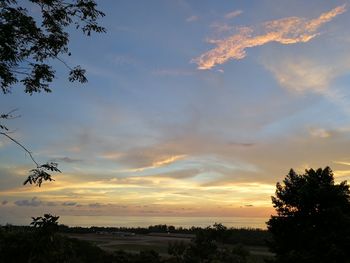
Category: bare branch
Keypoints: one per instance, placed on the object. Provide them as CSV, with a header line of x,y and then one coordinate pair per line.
x,y
9,116
20,145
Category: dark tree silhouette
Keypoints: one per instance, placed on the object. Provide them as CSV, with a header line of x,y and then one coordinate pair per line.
x,y
313,218
27,49
30,43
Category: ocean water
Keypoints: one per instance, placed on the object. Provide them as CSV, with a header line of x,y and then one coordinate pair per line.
x,y
138,221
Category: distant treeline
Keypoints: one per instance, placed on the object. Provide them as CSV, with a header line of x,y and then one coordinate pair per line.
x,y
246,236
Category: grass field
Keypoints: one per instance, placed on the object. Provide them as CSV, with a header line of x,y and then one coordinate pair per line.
x,y
157,242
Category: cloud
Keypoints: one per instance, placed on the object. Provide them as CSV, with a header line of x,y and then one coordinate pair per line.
x,y
168,160
192,18
286,31
32,202
96,205
319,132
221,27
342,163
51,203
163,161
233,14
69,203
341,173
179,174
300,74
111,155
67,160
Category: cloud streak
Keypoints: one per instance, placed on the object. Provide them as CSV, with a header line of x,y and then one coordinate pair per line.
x,y
192,18
233,14
159,163
33,202
290,30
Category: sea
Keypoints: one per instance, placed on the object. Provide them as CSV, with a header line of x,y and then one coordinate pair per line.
x,y
185,222
139,221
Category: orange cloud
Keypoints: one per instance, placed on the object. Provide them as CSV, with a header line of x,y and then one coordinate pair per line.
x,y
160,163
343,163
286,31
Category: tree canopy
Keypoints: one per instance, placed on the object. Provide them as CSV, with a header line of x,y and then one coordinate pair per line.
x,y
30,43
313,218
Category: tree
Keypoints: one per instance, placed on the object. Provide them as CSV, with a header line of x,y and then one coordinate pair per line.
x,y
207,247
27,49
28,46
313,218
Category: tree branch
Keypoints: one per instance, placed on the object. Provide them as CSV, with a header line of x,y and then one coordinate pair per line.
x,y
20,145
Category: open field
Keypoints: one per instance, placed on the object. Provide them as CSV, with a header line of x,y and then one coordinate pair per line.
x,y
157,242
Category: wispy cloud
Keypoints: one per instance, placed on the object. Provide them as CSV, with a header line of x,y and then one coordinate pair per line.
x,y
32,202
192,18
67,160
69,203
319,133
341,173
341,162
300,74
159,163
233,14
286,31
222,28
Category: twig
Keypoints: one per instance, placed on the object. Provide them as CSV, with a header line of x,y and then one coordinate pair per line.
x,y
8,115
20,145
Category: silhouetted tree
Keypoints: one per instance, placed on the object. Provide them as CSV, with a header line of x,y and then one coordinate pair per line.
x,y
41,243
29,43
313,218
205,248
177,250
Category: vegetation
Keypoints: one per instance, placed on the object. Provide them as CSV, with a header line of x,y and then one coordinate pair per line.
x,y
29,44
42,244
46,239
247,236
205,248
313,218
313,212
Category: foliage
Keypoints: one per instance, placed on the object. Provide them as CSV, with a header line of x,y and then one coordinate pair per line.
x,y
177,250
47,224
42,171
246,236
29,44
42,244
313,218
40,174
205,248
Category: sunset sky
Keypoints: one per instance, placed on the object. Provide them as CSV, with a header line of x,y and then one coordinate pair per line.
x,y
193,108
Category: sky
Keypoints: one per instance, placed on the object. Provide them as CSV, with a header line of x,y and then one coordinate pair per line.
x,y
192,108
